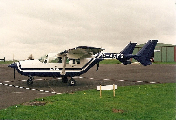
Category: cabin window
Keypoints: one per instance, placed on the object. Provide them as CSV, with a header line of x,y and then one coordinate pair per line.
x,y
67,61
73,61
78,61
55,60
59,59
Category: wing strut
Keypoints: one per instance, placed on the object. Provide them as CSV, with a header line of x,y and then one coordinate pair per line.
x,y
64,64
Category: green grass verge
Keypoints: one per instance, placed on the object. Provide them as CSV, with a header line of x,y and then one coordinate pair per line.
x,y
164,62
114,61
110,61
154,101
6,62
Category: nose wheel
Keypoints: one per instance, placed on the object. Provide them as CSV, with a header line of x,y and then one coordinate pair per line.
x,y
30,80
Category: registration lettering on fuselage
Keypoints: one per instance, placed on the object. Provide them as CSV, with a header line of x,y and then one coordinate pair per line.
x,y
54,68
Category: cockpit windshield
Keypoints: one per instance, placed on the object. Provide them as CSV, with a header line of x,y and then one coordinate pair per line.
x,y
43,59
51,58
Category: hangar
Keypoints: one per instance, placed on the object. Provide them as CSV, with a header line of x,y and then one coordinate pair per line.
x,y
164,53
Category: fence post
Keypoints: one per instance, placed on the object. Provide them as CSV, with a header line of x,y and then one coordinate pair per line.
x,y
100,90
114,90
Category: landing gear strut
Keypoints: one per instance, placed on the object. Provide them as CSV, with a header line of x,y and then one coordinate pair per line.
x,y
64,79
30,80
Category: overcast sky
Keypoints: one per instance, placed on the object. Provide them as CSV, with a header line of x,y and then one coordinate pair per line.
x,y
39,27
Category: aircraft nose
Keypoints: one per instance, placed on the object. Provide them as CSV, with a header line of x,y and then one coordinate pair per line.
x,y
13,65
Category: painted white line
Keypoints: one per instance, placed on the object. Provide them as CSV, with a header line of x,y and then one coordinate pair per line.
x,y
6,84
105,79
91,78
27,88
152,82
59,93
10,85
6,81
38,79
21,87
0,83
33,89
16,86
46,91
59,78
80,77
41,90
53,92
121,80
18,92
42,93
139,81
24,80
75,77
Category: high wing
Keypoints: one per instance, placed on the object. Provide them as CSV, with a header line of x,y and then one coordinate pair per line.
x,y
81,52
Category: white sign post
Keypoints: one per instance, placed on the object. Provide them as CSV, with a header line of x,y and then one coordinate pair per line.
x,y
107,87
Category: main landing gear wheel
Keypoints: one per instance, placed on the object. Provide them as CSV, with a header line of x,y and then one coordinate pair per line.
x,y
64,79
30,81
71,82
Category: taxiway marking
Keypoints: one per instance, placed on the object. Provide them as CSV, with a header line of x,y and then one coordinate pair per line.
x,y
46,91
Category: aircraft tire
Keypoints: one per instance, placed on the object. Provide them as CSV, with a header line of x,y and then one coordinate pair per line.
x,y
29,82
71,82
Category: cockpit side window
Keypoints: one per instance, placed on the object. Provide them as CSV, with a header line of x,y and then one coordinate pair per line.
x,y
74,61
67,61
43,59
59,59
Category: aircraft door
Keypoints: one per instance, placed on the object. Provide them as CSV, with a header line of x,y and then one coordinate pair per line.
x,y
72,62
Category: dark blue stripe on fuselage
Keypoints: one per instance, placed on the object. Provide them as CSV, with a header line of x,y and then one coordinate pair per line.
x,y
50,68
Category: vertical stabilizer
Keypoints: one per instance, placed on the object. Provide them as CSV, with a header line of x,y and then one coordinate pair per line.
x,y
145,53
129,48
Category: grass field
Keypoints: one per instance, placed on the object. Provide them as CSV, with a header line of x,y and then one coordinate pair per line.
x,y
164,63
141,102
6,62
110,61
114,61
